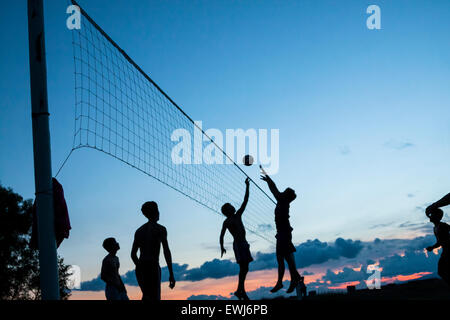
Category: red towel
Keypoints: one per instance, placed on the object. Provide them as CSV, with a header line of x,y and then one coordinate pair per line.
x,y
62,221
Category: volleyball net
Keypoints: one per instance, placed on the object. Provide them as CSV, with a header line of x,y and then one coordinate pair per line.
x,y
122,112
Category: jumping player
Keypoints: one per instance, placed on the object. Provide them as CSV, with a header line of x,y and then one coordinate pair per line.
x,y
241,248
284,246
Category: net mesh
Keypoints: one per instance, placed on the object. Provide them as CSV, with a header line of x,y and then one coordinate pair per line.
x,y
120,111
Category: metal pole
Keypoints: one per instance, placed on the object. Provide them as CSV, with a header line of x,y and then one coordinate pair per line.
x,y
48,265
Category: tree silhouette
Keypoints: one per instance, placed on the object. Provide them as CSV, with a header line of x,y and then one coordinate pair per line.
x,y
19,263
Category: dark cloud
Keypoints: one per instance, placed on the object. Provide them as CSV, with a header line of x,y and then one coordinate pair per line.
x,y
380,225
215,269
346,275
416,226
411,262
419,243
353,254
344,150
408,224
311,252
308,253
129,278
398,145
95,284
317,252
388,247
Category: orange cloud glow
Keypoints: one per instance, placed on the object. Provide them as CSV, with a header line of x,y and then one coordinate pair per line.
x,y
344,285
409,277
226,286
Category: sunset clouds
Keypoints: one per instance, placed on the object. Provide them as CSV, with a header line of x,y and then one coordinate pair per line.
x,y
326,266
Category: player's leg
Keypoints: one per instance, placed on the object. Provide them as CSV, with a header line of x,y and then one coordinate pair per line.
x,y
150,280
242,275
140,277
111,292
295,276
240,292
279,284
154,284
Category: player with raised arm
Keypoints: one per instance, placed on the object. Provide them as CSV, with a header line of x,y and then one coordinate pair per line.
x,y
241,248
284,247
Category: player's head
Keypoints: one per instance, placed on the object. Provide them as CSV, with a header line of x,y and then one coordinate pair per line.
x,y
228,210
111,245
150,211
289,194
436,215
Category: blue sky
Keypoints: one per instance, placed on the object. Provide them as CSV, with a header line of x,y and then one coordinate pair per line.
x,y
363,115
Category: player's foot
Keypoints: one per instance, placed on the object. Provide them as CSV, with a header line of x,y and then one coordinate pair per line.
x,y
277,287
241,295
294,283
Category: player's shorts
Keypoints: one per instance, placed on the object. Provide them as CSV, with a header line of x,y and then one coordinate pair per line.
x,y
284,246
242,252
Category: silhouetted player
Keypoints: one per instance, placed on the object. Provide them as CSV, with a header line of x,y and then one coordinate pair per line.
x,y
115,289
241,248
284,247
441,231
148,239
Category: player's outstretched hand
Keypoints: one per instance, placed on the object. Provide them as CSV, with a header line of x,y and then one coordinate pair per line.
x,y
223,252
264,178
247,181
263,171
